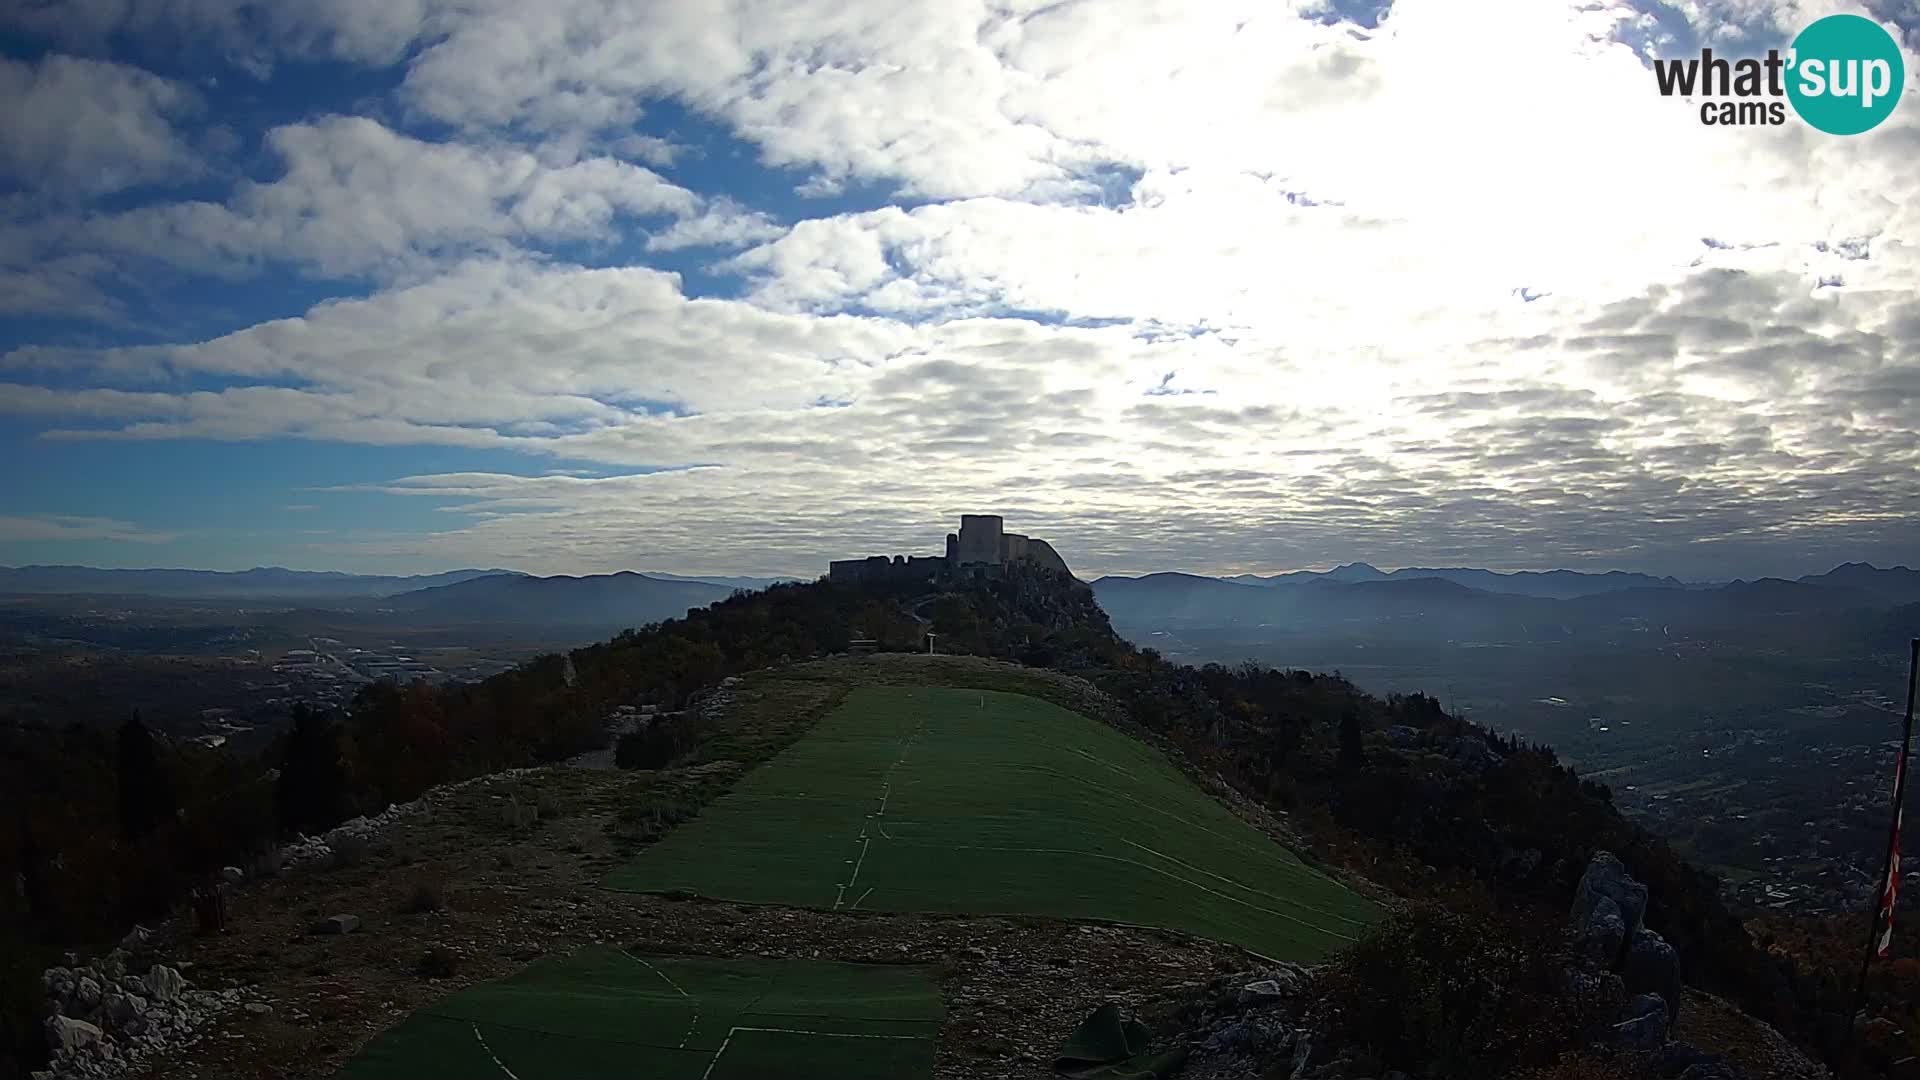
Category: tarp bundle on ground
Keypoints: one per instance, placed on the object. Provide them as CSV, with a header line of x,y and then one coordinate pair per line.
x,y
1110,1046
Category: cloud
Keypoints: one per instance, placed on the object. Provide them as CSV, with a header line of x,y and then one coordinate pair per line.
x,y
723,224
249,32
61,527
358,199
1221,286
86,127
862,433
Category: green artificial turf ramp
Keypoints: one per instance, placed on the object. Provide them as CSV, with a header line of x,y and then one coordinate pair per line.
x,y
977,802
601,1012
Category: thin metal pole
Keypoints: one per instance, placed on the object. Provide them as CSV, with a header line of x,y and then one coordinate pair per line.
x,y
1893,839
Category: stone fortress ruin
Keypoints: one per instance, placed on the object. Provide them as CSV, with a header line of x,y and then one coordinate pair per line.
x,y
983,548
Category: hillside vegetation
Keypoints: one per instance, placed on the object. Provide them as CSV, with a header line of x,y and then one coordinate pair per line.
x,y
1447,813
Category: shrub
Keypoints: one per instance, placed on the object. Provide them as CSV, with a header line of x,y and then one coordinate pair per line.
x,y
658,744
652,813
1463,995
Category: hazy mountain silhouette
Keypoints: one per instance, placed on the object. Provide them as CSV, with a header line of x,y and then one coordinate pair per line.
x,y
259,582
1897,584
621,600
1446,606
721,579
1555,584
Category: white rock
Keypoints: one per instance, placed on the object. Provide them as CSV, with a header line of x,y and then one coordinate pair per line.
x,y
66,1033
165,983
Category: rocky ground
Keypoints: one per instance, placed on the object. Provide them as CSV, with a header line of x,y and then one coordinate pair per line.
x,y
449,895
478,879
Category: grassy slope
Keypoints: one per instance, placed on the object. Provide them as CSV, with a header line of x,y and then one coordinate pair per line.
x,y
603,1012
972,801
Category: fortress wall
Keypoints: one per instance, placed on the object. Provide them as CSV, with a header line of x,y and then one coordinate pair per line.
x,y
980,538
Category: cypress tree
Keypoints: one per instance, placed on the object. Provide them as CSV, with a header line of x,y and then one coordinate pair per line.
x,y
145,794
311,794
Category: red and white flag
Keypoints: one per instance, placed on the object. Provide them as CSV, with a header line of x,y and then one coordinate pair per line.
x,y
1891,892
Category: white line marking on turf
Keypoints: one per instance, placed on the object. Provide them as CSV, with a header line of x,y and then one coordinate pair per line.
x,y
1240,884
718,1053
496,1060
829,1034
663,975
1153,869
863,897
865,842
731,1032
684,1039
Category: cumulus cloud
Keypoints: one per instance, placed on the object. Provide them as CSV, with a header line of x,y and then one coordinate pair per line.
x,y
87,127
358,199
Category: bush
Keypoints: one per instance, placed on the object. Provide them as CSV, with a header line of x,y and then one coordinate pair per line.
x,y
1461,996
438,962
516,815
652,813
658,744
426,896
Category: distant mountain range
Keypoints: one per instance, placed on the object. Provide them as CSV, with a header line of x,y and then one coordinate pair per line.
x,y
602,601
261,582
1554,584
730,582
274,582
1480,602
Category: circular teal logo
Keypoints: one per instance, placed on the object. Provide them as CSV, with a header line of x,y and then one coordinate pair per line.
x,y
1846,74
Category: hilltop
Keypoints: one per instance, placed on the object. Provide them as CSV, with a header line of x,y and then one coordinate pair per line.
x,y
1393,796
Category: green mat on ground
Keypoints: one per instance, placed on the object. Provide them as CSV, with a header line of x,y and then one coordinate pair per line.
x,y
983,803
602,1012
1111,1046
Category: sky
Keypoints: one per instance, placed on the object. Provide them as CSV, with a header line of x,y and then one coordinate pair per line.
x,y
582,285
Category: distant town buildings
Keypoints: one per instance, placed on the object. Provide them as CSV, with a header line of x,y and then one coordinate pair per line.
x,y
981,549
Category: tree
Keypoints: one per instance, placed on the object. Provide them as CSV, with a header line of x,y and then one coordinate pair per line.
x,y
1352,754
311,794
145,794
